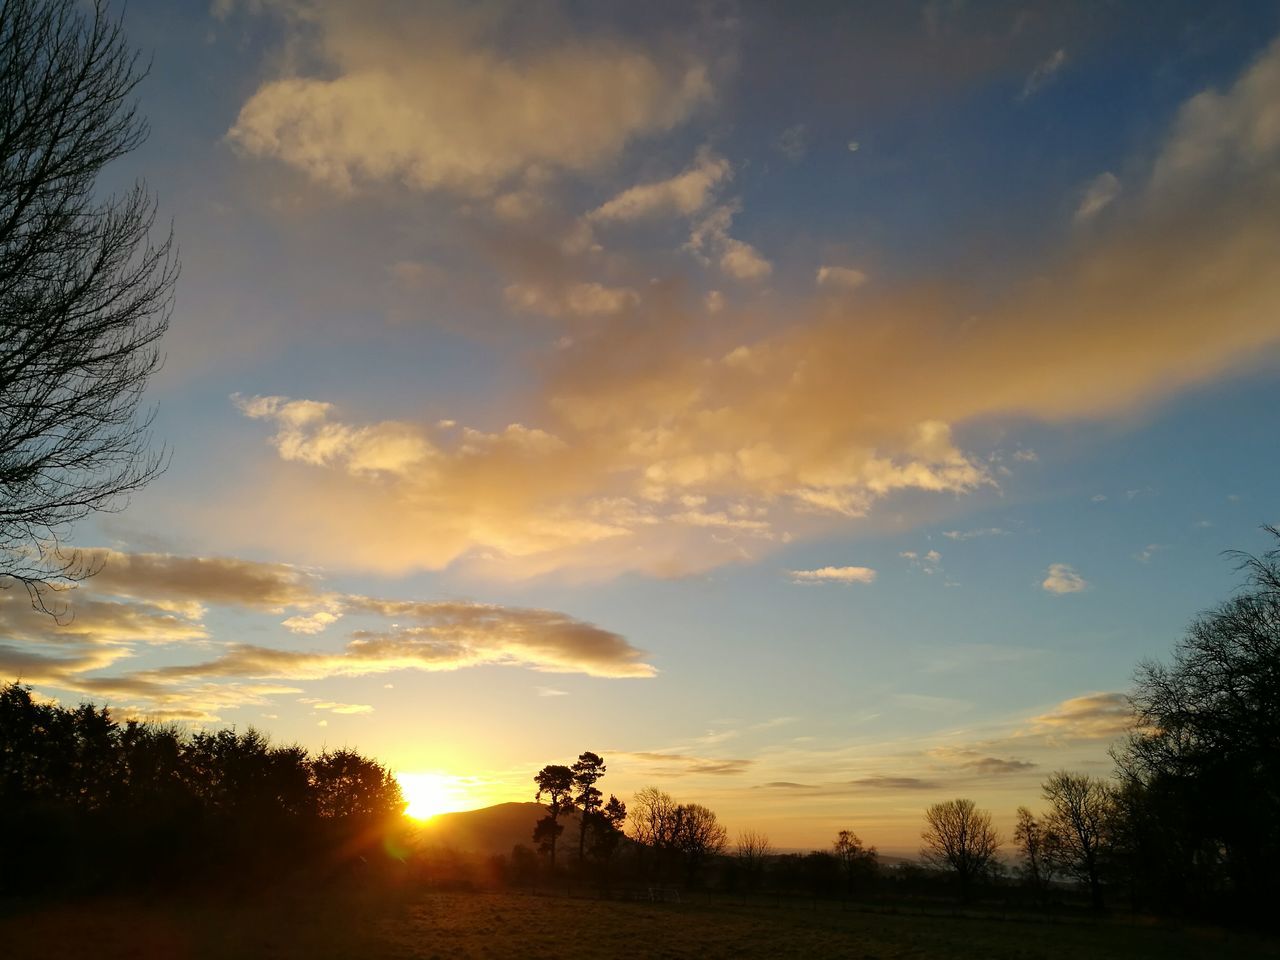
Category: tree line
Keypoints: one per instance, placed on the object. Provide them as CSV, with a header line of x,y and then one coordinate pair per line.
x,y
89,802
1189,823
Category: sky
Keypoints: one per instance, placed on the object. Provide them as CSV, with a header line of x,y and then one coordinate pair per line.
x,y
817,410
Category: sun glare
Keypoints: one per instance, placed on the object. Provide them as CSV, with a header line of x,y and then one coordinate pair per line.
x,y
429,794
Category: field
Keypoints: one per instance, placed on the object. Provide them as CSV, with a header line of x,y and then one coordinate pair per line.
x,y
476,925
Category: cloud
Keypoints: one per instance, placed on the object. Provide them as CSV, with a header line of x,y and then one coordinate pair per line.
x,y
823,412
928,563
347,709
661,763
104,633
974,534
710,240
845,278
575,299
972,758
1092,716
793,143
894,783
375,93
434,637
684,194
1044,71
1233,133
1062,578
834,575
1101,190
188,580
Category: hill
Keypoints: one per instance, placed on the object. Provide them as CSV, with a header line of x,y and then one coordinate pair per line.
x,y
495,829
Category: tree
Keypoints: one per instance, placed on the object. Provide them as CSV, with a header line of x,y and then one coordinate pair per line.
x,y
1037,845
85,295
608,833
857,862
1080,820
350,785
555,781
753,849
698,836
960,838
588,769
1200,771
653,815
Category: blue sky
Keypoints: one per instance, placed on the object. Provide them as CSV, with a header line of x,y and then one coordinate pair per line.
x,y
818,414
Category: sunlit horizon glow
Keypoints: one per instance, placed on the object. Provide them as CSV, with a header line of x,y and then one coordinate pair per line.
x,y
429,794
815,410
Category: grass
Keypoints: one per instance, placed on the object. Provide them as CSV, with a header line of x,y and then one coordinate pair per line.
x,y
491,925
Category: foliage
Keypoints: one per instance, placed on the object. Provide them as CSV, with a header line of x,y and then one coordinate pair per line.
x,y
87,800
587,771
1199,799
555,781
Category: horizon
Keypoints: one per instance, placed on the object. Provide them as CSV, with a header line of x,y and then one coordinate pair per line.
x,y
817,413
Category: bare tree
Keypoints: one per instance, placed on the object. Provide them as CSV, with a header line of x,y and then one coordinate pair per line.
x,y
1082,817
960,838
856,861
653,818
676,831
698,836
1038,846
753,850
85,295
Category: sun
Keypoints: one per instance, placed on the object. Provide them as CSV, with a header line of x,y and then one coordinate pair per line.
x,y
429,794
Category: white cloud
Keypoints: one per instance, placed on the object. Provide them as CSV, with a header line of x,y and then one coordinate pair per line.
x,y
1062,578
847,278
743,261
710,239
1043,73
974,534
834,575
684,194
1102,189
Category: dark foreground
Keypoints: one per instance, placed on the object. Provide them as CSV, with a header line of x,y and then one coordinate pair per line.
x,y
448,925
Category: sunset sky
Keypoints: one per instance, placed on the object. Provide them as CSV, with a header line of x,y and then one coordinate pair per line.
x,y
817,409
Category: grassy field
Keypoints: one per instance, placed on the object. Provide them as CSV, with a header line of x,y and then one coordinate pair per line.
x,y
448,925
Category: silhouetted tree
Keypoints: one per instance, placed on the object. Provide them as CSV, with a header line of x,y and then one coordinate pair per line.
x,y
960,838
1081,822
86,801
698,836
349,785
858,863
555,781
652,816
84,295
752,851
1200,773
1037,849
587,771
608,834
